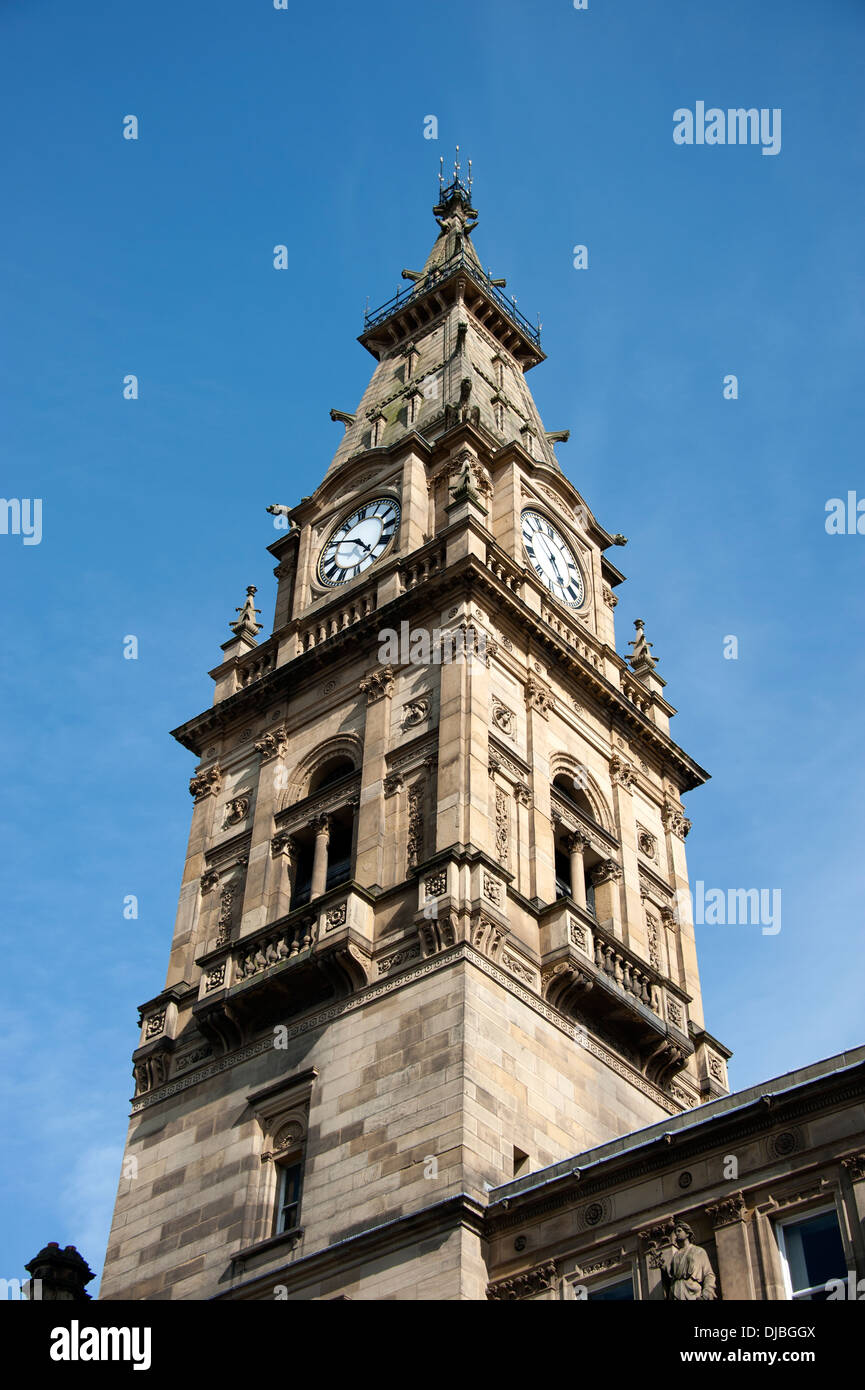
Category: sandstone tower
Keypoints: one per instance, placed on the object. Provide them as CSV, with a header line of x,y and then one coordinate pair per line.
x,y
433,928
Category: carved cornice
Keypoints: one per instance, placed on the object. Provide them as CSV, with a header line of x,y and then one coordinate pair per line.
x,y
533,1282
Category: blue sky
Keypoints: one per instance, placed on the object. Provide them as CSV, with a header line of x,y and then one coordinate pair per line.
x,y
154,257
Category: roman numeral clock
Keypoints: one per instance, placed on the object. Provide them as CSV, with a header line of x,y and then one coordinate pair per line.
x,y
358,541
552,559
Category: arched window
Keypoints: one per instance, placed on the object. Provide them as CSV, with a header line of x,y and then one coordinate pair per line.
x,y
332,771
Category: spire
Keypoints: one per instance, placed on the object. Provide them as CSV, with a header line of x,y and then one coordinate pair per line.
x,y
246,626
641,659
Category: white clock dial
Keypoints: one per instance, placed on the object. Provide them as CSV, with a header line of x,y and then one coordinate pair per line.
x,y
552,559
359,541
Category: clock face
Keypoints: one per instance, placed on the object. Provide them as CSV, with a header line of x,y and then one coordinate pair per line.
x,y
552,559
359,541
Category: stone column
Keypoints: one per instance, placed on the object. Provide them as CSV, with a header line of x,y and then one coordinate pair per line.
x,y
377,686
578,842
854,1169
283,850
539,699
606,877
319,860
730,1219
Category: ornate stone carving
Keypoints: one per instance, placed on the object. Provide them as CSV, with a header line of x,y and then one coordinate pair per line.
x,y
492,889
283,844
539,697
208,880
154,1025
272,744
237,809
674,1013
502,826
716,1067
336,916
578,839
728,1211
415,712
393,962
377,684
504,719
516,967
578,933
393,783
686,1269
654,941
205,783
487,936
226,914
436,885
622,773
215,977
854,1165
610,598
533,1282
675,820
594,1213
414,839
522,794
646,842
608,871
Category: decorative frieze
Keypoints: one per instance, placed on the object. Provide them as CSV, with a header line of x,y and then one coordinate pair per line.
x,y
414,838
527,1285
502,826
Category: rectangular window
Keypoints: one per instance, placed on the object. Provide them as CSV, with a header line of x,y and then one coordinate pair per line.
x,y
617,1291
288,1197
812,1253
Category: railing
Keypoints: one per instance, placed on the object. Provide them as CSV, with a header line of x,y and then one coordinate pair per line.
x,y
256,666
506,573
274,948
329,624
418,571
572,638
435,277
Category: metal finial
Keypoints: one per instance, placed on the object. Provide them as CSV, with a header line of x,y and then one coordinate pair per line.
x,y
470,178
457,164
441,172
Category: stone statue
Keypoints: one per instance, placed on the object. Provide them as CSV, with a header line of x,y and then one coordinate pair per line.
x,y
686,1269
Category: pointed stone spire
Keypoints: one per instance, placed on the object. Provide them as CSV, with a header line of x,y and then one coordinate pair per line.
x,y
246,626
641,659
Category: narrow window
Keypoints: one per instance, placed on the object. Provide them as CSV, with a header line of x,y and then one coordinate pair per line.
x,y
288,1197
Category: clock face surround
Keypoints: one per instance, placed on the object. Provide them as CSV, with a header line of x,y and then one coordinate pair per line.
x,y
358,541
552,559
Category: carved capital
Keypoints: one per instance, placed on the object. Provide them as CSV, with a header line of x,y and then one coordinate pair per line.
x,y
675,820
854,1164
271,745
534,1281
608,871
538,697
205,783
377,684
578,841
393,783
283,846
728,1211
622,773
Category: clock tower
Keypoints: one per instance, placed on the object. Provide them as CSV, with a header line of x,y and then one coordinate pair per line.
x,y
434,927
